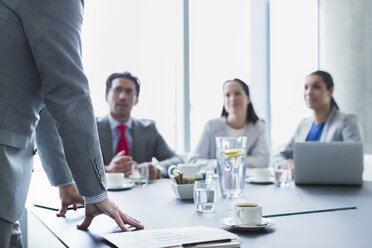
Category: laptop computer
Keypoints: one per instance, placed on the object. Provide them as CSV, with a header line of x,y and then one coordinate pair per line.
x,y
333,163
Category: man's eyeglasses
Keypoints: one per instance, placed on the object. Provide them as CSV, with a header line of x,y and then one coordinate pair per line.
x,y
119,90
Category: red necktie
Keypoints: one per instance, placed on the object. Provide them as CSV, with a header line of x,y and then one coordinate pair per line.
x,y
123,142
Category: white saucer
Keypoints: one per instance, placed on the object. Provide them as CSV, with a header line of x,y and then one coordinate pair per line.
x,y
127,184
229,221
259,181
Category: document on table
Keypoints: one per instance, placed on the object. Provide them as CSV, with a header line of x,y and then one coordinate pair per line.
x,y
169,237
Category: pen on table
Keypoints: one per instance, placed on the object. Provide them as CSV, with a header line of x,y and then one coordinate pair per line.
x,y
309,212
206,242
55,209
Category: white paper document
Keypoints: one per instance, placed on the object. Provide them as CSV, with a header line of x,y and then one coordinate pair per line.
x,y
169,237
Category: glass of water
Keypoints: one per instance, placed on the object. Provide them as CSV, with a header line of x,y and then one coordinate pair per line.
x,y
231,157
205,195
283,173
140,174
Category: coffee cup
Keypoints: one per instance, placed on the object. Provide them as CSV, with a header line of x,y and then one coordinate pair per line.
x,y
114,180
262,174
247,214
188,170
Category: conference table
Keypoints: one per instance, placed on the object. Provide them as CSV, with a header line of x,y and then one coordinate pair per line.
x,y
156,206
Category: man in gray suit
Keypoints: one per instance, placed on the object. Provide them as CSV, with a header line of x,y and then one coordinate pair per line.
x,y
40,68
144,140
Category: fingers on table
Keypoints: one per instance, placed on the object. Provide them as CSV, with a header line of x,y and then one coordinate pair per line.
x,y
118,219
62,211
86,222
131,221
74,206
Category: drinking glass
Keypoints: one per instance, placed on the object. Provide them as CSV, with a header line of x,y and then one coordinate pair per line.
x,y
140,174
231,157
283,173
205,195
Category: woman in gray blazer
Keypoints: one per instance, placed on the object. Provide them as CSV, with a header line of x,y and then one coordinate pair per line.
x,y
328,122
238,118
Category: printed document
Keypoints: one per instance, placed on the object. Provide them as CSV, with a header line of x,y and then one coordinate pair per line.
x,y
169,237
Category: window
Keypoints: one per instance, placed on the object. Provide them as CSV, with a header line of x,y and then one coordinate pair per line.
x,y
140,37
145,37
219,50
294,54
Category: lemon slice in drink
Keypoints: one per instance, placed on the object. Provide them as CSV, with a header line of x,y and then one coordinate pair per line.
x,y
235,153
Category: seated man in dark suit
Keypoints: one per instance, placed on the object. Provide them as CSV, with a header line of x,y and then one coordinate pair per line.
x,y
125,140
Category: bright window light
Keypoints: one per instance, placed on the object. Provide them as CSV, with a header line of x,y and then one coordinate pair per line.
x,y
139,37
294,54
219,50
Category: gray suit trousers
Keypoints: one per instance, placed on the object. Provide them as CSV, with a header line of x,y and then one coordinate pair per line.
x,y
10,234
17,165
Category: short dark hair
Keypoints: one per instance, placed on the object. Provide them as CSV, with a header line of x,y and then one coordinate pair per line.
x,y
251,114
126,75
328,80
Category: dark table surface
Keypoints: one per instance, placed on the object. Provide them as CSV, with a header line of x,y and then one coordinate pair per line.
x,y
156,206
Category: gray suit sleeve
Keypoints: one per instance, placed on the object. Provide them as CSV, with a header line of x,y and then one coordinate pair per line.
x,y
301,131
51,152
352,131
258,155
164,154
53,31
287,153
201,153
204,152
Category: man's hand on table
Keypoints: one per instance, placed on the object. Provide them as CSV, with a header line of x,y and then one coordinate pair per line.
x,y
109,208
69,196
120,163
153,172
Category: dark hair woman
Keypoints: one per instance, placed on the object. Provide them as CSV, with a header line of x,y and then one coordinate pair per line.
x,y
238,118
328,123
251,114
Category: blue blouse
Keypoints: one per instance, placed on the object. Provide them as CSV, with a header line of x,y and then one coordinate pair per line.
x,y
315,132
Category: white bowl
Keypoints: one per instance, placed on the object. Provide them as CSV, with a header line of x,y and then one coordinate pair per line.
x,y
183,191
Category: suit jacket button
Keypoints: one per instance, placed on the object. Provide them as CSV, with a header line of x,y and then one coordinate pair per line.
x,y
96,161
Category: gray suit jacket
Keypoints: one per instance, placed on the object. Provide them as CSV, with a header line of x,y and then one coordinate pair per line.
x,y
338,127
147,143
257,151
41,64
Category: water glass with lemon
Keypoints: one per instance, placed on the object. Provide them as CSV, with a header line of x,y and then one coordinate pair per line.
x,y
231,157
